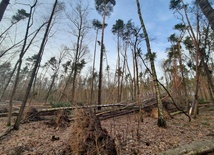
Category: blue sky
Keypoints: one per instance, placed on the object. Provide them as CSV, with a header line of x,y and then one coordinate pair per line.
x,y
158,19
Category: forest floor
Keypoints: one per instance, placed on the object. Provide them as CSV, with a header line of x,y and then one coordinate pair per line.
x,y
39,138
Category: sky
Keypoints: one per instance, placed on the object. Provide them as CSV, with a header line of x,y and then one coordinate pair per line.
x,y
159,21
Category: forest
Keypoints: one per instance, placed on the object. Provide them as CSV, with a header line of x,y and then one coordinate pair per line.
x,y
74,88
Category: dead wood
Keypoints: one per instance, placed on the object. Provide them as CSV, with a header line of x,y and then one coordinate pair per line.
x,y
194,148
61,120
31,114
88,137
9,129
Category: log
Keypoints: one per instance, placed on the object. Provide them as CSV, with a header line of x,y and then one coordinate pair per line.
x,y
194,148
51,111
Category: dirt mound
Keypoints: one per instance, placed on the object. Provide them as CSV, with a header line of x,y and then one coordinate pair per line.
x,y
154,113
31,114
88,137
61,120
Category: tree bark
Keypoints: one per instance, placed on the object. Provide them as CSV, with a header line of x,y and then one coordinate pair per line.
x,y
101,61
207,10
3,6
161,120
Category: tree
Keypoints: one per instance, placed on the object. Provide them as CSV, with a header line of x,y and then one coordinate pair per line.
x,y
207,10
21,55
104,7
79,28
161,120
34,71
199,48
55,66
176,49
3,6
117,29
97,26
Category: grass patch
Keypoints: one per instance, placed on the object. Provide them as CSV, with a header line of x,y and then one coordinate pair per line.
x,y
60,104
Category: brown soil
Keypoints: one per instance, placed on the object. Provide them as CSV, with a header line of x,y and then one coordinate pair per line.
x,y
131,137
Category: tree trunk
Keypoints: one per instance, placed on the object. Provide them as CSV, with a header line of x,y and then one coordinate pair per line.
x,y
65,87
101,61
161,120
34,71
50,87
195,104
118,69
19,68
3,6
92,80
207,10
182,74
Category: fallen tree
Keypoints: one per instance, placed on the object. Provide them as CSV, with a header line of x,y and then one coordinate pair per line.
x,y
194,148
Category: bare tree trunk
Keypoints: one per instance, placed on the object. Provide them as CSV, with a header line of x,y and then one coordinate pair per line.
x,y
195,104
207,10
161,120
65,87
182,74
118,69
93,68
18,119
3,6
123,71
101,61
134,76
19,68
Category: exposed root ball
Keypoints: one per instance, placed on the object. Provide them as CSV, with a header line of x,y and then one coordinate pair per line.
x,y
61,120
31,114
88,137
